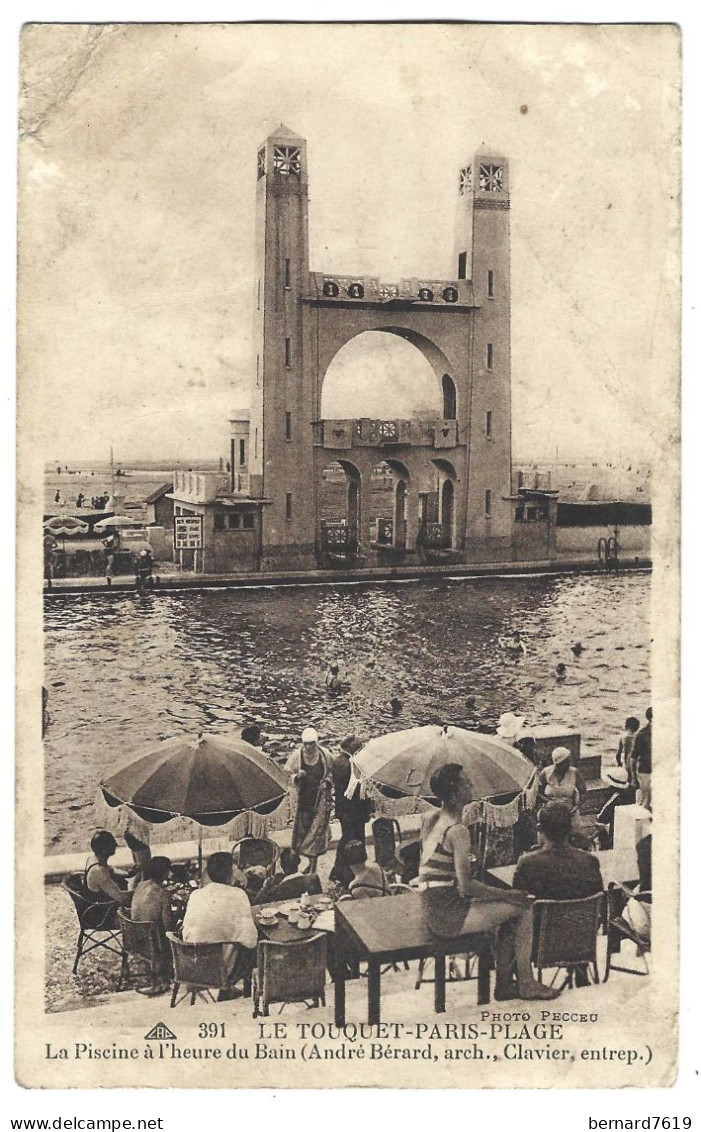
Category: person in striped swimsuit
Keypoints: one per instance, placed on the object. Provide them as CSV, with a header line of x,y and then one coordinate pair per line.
x,y
455,904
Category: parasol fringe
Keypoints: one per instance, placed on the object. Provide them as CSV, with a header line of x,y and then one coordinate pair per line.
x,y
122,819
502,817
472,813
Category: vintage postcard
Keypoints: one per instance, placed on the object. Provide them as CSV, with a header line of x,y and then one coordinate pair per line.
x,y
348,575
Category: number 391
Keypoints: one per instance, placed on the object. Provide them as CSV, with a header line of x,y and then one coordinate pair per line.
x,y
212,1030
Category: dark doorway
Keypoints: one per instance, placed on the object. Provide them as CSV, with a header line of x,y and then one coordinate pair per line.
x,y
447,503
450,400
400,515
353,513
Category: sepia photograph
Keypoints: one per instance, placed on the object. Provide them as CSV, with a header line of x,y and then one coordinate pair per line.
x,y
348,568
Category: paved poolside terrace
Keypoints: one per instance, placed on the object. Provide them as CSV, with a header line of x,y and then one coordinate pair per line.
x,y
183,580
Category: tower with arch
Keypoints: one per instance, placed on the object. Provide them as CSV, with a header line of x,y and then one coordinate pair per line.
x,y
446,476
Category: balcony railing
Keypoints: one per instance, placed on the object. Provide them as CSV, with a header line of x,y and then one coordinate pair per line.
x,y
530,479
242,483
367,432
200,487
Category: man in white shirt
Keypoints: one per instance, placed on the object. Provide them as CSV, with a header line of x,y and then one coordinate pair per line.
x,y
220,913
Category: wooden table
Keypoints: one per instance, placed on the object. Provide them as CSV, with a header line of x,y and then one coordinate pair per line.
x,y
615,866
282,931
389,929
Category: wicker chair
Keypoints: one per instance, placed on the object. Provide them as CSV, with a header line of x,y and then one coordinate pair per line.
x,y
386,836
97,919
290,972
617,896
565,933
251,851
203,968
141,941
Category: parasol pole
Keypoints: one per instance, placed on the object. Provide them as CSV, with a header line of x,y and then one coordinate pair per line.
x,y
199,852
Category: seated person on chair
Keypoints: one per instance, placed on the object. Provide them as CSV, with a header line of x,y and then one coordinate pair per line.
x,y
289,869
368,879
557,871
638,912
100,881
221,913
454,904
151,902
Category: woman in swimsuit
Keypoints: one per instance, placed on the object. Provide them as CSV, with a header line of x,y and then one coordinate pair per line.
x,y
455,904
100,881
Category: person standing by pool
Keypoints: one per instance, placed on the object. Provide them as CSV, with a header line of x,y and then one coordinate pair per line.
x,y
50,555
641,762
625,747
561,782
353,808
455,904
143,572
312,782
112,545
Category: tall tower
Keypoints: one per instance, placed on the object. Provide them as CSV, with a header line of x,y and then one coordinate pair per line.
x,y
483,255
280,441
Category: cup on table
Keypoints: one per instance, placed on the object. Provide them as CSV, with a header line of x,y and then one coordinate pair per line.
x,y
304,920
305,900
292,915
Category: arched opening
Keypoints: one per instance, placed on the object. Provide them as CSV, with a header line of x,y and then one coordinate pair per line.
x,y
396,380
339,508
447,512
400,515
436,508
388,490
353,513
450,398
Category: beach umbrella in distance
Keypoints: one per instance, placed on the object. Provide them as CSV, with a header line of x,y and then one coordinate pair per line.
x,y
401,763
136,545
118,521
65,526
209,779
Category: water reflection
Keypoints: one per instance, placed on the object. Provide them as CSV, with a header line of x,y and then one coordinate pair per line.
x,y
125,671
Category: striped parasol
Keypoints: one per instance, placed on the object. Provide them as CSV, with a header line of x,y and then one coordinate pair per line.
x,y
209,779
402,762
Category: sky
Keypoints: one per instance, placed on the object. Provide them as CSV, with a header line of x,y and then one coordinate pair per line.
x,y
137,187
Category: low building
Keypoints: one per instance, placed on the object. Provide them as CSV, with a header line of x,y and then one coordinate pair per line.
x,y
227,538
159,507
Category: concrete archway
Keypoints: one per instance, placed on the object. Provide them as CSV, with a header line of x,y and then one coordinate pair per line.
x,y
332,345
396,378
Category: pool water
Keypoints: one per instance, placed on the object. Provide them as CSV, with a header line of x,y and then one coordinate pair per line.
x,y
124,671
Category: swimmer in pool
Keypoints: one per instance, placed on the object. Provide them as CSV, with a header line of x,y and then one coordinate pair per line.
x,y
513,646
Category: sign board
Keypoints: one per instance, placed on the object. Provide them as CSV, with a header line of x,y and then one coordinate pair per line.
x,y
188,532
